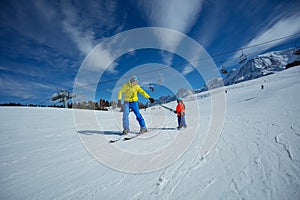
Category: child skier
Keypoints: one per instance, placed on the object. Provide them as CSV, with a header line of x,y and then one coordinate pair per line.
x,y
180,111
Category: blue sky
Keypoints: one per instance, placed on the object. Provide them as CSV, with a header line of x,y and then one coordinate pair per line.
x,y
44,43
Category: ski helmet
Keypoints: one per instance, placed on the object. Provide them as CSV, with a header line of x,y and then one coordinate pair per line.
x,y
133,79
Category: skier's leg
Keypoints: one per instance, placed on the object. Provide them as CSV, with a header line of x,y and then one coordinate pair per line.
x,y
183,123
179,121
126,115
139,117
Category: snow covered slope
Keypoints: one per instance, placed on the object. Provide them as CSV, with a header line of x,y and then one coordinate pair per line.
x,y
46,154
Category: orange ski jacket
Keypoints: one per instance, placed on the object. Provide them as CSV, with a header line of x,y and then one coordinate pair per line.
x,y
180,109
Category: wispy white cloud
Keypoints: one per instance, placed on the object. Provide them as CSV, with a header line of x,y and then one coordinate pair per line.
x,y
212,22
188,69
21,87
83,40
76,28
173,14
59,29
53,37
2,68
85,37
101,59
284,27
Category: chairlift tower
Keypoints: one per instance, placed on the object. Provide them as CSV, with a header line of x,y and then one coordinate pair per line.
x,y
62,96
159,78
243,57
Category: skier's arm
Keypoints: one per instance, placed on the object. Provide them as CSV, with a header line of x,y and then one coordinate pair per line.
x,y
140,90
120,93
146,95
120,97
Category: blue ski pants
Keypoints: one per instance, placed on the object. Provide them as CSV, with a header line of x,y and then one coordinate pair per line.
x,y
181,121
135,108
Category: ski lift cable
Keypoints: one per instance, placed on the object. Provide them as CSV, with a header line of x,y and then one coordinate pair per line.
x,y
183,63
255,45
234,59
192,61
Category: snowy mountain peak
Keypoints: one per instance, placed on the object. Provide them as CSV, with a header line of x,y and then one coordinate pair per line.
x,y
261,65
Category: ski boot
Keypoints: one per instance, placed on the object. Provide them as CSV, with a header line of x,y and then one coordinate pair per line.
x,y
181,126
126,131
143,130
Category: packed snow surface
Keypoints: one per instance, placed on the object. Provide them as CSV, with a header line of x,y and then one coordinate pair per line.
x,y
48,153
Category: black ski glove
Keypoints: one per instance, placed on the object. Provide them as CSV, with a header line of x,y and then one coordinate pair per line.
x,y
151,100
119,103
175,112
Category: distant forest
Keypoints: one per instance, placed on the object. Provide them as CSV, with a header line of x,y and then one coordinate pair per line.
x,y
90,105
30,105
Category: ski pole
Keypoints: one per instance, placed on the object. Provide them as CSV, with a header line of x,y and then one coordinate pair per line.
x,y
167,108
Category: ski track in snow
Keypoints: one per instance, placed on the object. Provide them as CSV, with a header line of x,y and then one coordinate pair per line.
x,y
256,157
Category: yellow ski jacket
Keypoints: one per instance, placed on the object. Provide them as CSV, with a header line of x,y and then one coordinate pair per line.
x,y
130,92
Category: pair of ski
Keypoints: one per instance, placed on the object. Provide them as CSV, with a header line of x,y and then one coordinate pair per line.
x,y
125,137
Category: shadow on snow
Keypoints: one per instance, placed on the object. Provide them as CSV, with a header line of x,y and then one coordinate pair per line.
x,y
94,132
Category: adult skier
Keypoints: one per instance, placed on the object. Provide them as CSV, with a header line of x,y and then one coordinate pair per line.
x,y
130,91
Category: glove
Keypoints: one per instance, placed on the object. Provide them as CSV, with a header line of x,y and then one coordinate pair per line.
x,y
151,100
175,112
119,103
